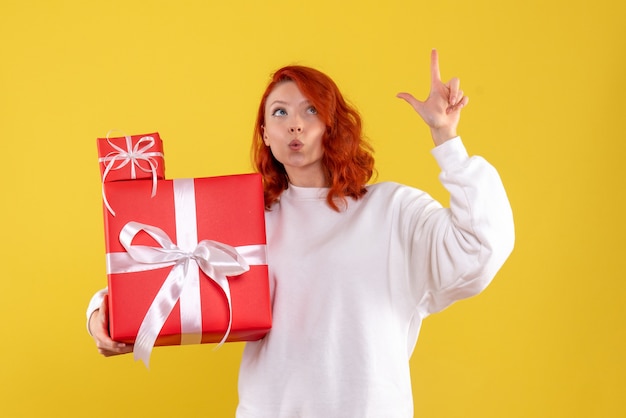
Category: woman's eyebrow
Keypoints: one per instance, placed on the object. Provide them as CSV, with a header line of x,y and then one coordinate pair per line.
x,y
278,102
282,102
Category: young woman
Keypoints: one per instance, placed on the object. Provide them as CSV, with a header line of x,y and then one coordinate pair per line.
x,y
355,268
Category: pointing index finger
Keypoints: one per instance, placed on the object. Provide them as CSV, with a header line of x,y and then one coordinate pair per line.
x,y
434,66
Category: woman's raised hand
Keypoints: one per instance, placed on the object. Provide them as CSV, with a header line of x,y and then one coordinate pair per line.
x,y
442,109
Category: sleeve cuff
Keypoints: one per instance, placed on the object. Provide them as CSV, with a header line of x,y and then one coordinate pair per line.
x,y
450,154
94,304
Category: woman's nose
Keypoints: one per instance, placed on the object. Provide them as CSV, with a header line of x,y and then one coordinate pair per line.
x,y
295,129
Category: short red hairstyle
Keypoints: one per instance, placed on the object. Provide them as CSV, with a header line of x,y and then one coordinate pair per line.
x,y
348,161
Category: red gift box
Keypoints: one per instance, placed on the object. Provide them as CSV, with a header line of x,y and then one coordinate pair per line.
x,y
131,157
155,245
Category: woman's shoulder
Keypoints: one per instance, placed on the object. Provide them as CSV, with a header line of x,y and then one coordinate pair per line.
x,y
392,191
387,187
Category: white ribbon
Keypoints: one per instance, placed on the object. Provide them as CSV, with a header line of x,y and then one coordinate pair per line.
x,y
132,155
215,259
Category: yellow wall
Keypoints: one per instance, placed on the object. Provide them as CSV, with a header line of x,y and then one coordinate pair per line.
x,y
546,81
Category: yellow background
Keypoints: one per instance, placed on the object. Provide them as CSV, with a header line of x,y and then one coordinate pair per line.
x,y
546,81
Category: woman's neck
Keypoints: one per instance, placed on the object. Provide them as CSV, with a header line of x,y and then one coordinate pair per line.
x,y
307,178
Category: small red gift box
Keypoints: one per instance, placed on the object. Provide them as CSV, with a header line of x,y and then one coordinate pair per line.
x,y
131,157
188,264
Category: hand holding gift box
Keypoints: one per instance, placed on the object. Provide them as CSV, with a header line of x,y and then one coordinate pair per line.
x,y
187,265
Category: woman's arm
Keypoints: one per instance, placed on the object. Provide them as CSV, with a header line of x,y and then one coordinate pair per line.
x,y
457,250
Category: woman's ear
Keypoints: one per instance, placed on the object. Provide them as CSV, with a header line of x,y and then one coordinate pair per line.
x,y
265,138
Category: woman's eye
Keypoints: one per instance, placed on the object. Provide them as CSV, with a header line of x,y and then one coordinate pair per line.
x,y
312,110
279,112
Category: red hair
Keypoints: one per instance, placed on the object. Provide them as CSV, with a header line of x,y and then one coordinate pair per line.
x,y
348,161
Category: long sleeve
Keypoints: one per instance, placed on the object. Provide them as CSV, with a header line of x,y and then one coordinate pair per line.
x,y
460,249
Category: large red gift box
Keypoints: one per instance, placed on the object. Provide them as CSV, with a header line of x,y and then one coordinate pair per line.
x,y
131,157
156,245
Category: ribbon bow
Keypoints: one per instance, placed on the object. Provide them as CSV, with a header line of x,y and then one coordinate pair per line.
x,y
121,157
216,259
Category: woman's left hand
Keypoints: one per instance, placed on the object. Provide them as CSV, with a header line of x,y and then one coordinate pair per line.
x,y
442,109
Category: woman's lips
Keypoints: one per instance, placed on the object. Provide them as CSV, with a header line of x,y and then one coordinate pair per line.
x,y
295,145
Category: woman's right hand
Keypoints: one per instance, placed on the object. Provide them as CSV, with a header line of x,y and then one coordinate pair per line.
x,y
99,329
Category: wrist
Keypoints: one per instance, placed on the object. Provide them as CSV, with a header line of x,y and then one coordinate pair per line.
x,y
441,135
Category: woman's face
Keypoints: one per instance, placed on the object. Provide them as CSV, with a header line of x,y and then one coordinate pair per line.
x,y
294,131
